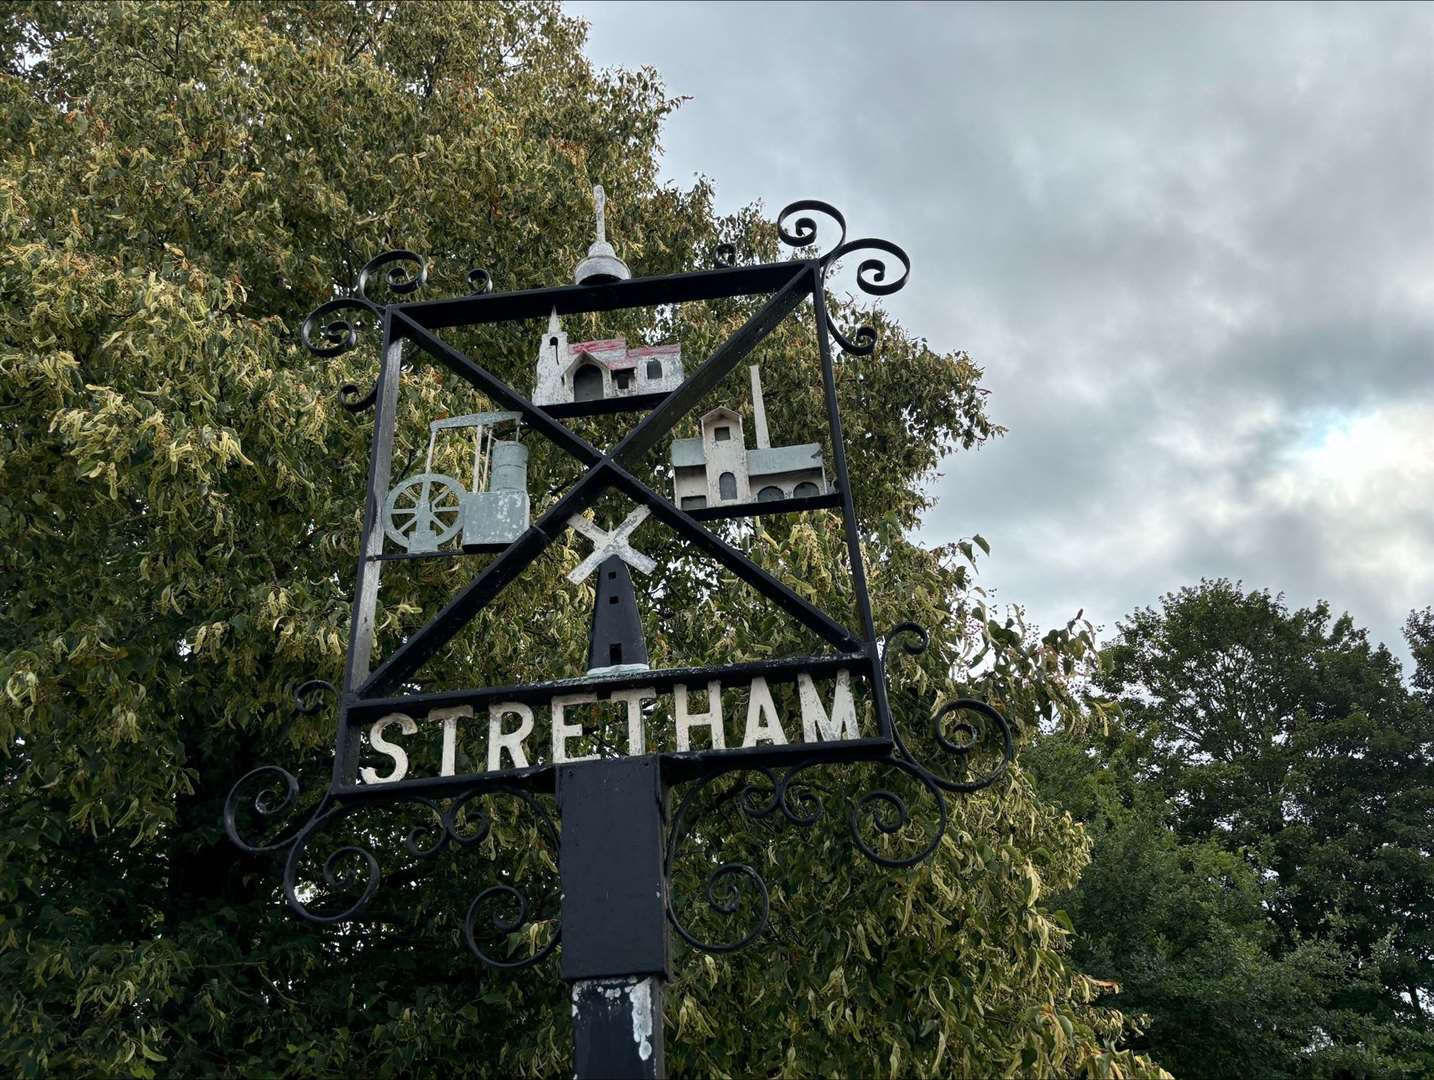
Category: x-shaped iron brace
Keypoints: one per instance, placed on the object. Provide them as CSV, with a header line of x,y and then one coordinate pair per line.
x,y
604,471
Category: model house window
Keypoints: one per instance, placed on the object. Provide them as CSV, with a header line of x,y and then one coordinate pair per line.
x,y
654,369
769,494
806,489
622,379
694,502
727,484
722,434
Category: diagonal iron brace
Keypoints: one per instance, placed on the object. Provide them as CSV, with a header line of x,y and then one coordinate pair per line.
x,y
604,471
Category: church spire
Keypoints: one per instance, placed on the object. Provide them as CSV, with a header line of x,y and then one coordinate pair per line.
x,y
602,266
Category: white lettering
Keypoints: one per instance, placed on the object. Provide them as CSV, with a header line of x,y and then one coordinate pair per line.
x,y
408,726
450,735
711,719
822,720
563,731
815,722
762,722
636,744
511,741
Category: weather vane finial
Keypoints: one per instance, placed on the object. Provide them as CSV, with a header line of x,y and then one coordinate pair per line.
x,y
602,266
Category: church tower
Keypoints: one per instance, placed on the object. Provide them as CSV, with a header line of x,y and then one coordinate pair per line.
x,y
552,358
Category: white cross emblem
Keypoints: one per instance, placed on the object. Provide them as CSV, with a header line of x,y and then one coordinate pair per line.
x,y
607,544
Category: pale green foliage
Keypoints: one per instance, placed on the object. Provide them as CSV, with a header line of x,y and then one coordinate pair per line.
x,y
180,497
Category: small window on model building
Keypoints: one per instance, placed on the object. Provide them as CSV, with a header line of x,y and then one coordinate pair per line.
x,y
654,369
770,494
722,433
622,380
806,489
694,502
727,486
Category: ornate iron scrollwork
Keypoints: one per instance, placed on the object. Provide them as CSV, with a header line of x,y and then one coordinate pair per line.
x,y
469,834
764,794
479,281
725,883
350,876
967,735
332,873
871,272
401,272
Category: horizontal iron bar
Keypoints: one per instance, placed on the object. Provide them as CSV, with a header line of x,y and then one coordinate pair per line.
x,y
447,553
708,513
575,299
537,778
679,768
783,670
629,403
776,506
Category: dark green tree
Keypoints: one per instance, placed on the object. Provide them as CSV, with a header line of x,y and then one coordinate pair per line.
x,y
180,497
1181,925
1261,812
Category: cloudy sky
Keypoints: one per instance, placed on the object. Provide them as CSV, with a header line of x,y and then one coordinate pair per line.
x,y
1193,248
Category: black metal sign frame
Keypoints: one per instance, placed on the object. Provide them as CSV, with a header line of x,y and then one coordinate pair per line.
x,y
370,691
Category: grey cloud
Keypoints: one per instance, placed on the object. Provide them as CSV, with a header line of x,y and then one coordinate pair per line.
x,y
1188,244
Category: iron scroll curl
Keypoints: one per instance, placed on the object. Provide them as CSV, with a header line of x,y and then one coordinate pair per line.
x,y
724,885
275,791
480,281
349,875
403,272
521,908
968,735
874,275
804,231
333,327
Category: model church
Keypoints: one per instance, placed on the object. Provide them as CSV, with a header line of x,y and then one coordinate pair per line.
x,y
596,370
717,468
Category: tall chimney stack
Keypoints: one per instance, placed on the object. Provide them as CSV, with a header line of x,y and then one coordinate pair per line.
x,y
759,410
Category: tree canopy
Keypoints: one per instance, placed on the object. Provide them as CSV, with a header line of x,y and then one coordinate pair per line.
x,y
181,495
1261,808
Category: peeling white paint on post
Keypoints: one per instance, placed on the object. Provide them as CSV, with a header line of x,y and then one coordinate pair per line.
x,y
640,998
617,1028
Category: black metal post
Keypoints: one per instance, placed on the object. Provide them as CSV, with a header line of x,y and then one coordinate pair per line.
x,y
614,915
